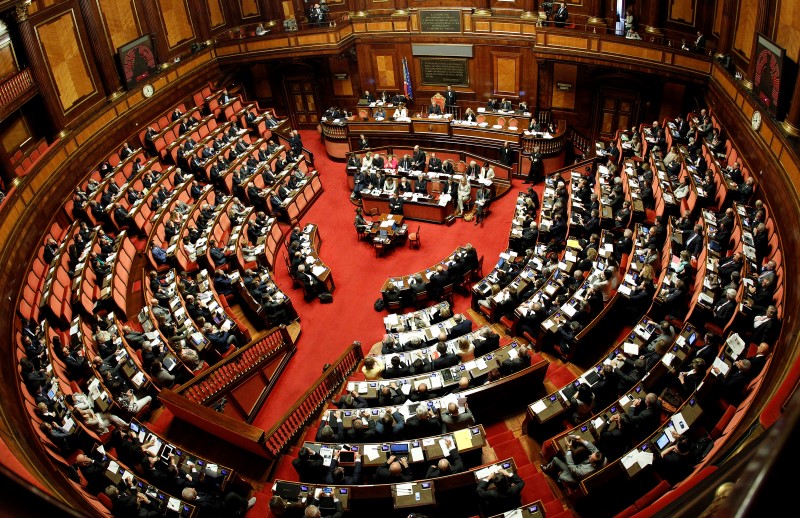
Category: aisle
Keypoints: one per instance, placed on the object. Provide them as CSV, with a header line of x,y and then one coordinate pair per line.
x,y
327,329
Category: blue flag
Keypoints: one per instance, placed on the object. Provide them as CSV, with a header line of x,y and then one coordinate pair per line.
x,y
407,81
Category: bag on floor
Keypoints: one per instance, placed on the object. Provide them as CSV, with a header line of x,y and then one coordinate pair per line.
x,y
379,305
326,297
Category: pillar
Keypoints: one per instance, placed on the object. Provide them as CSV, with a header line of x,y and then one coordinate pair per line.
x,y
400,8
761,26
791,125
529,11
39,67
101,49
483,10
652,16
726,27
358,8
596,19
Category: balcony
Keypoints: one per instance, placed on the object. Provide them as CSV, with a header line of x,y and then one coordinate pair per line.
x,y
15,91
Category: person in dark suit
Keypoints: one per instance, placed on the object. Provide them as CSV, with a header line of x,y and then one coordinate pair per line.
x,y
506,155
450,96
434,163
423,424
446,359
395,204
434,108
759,359
536,170
396,369
418,159
449,465
393,471
561,15
694,242
369,97
766,326
336,474
332,428
309,466
739,376
512,365
724,310
363,143
463,326
505,495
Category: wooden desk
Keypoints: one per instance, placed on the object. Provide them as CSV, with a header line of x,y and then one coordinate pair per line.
x,y
421,209
413,494
531,510
311,243
393,233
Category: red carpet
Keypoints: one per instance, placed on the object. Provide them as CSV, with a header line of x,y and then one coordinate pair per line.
x,y
328,328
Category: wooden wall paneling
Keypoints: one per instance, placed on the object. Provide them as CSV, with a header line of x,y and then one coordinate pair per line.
x,y
385,70
249,9
787,30
121,22
176,17
341,88
506,73
565,74
683,12
216,13
8,59
15,133
745,28
101,45
63,45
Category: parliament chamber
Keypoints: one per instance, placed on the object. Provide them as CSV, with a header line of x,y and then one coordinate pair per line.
x,y
565,295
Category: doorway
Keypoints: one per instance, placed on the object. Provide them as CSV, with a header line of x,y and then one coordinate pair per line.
x,y
302,99
618,109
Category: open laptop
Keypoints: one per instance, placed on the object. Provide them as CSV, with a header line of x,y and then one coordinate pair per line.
x,y
288,491
400,448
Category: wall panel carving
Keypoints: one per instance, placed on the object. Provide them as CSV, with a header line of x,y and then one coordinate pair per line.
x,y
215,13
177,21
506,73
67,62
788,31
385,76
683,11
745,27
16,133
249,8
121,21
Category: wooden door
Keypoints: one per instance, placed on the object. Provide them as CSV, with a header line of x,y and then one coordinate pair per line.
x,y
303,102
618,109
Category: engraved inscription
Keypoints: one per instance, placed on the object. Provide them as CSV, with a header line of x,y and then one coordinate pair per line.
x,y
440,21
444,71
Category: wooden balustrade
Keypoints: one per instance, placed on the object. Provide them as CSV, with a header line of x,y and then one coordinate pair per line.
x,y
242,379
288,427
15,86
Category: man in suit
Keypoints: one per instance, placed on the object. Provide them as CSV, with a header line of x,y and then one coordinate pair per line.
x,y
336,475
396,369
395,204
434,108
536,170
578,465
739,376
449,465
505,495
766,326
445,359
694,241
506,155
369,97
309,466
363,143
759,359
506,105
561,15
332,428
393,471
724,310
434,163
455,420
418,159
450,96
424,423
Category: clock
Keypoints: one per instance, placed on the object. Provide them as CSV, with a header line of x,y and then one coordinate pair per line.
x,y
755,120
148,90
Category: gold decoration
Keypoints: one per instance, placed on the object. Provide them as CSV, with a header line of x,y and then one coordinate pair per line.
x,y
21,11
790,129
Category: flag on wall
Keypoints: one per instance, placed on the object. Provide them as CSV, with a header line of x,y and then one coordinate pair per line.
x,y
407,81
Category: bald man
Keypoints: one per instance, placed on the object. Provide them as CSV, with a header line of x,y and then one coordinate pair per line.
x,y
393,471
455,420
449,465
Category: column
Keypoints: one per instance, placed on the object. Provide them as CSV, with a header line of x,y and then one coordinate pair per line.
x,y
596,19
791,125
652,17
272,11
529,11
153,15
39,67
484,10
101,50
400,8
203,23
358,8
761,26
544,94
726,27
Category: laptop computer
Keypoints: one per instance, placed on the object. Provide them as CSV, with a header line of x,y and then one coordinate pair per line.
x,y
662,441
288,491
400,448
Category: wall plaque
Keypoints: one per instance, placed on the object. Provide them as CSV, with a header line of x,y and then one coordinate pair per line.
x,y
444,71
440,21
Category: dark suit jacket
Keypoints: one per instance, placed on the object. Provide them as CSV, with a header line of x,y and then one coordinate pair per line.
x,y
495,502
460,329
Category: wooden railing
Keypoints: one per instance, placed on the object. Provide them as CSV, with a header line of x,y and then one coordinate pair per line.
x,y
579,142
220,382
15,86
288,427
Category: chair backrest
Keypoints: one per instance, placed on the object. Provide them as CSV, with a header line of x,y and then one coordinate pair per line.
x,y
501,121
439,99
480,119
512,123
